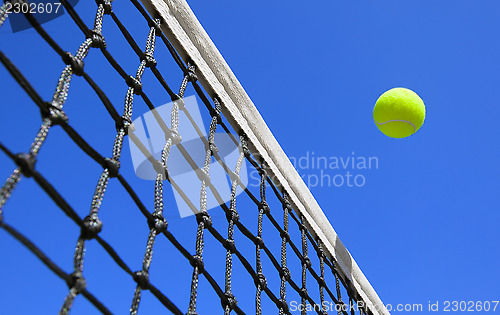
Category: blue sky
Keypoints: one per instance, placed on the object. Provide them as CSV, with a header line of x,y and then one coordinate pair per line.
x,y
423,227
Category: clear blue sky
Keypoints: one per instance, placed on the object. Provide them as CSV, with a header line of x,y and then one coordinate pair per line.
x,y
423,227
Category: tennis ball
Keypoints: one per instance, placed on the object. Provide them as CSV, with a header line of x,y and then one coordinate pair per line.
x,y
399,113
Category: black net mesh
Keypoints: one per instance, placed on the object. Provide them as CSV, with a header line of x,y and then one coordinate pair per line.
x,y
252,260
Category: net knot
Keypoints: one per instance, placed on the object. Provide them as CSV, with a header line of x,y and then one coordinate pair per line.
x,y
175,136
91,226
158,223
264,207
197,262
26,163
135,84
322,282
56,115
212,148
204,217
229,301
285,235
261,280
232,215
262,171
190,73
244,146
155,24
97,40
321,253
303,293
283,305
302,227
179,101
142,279
285,273
75,63
217,111
235,178
113,167
125,123
106,4
334,269
76,281
306,261
203,176
258,241
230,246
150,60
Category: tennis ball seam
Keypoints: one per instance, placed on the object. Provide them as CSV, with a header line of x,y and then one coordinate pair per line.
x,y
401,120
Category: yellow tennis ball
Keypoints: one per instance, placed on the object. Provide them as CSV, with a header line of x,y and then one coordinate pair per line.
x,y
399,113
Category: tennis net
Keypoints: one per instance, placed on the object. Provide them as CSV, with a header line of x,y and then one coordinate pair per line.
x,y
271,237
